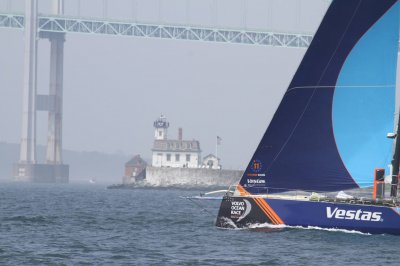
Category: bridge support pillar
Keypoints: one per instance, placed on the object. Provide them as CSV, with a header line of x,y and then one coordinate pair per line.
x,y
28,169
54,137
28,135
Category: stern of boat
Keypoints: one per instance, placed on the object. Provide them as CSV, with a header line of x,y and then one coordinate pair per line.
x,y
240,212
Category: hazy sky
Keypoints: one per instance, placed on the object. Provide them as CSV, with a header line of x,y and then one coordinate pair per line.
x,y
115,87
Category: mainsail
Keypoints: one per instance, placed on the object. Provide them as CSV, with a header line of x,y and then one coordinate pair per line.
x,y
329,131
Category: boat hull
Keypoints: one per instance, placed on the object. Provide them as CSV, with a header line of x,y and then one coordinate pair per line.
x,y
243,211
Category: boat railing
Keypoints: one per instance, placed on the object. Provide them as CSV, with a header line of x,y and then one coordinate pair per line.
x,y
355,196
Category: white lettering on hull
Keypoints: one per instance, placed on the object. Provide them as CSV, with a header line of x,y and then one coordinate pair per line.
x,y
358,215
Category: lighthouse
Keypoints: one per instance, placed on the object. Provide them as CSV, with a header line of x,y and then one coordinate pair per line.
x,y
176,153
161,128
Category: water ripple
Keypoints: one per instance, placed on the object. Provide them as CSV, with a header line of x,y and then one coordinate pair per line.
x,y
69,225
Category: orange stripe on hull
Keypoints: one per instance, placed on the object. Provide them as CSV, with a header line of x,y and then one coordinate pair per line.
x,y
264,206
265,210
269,211
242,191
274,214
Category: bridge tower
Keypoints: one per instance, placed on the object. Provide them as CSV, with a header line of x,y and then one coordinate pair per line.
x,y
28,169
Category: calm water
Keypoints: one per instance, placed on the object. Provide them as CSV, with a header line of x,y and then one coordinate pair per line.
x,y
88,224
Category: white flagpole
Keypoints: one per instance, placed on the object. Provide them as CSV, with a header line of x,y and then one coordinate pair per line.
x,y
216,147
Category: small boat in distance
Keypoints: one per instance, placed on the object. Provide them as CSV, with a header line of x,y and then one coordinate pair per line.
x,y
92,181
330,132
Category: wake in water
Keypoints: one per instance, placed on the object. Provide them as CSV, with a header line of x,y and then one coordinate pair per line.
x,y
282,226
267,227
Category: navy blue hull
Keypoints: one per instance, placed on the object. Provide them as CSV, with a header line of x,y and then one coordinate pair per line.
x,y
243,211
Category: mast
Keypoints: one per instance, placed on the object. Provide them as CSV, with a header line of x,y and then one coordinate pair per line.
x,y
395,162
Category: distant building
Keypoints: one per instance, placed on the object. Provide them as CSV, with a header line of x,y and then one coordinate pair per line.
x,y
135,170
173,153
212,162
178,162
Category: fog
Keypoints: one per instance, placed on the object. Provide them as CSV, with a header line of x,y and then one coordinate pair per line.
x,y
115,87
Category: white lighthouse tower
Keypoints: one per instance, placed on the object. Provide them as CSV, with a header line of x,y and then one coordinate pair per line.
x,y
161,128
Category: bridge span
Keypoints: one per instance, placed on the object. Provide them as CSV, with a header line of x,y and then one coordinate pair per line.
x,y
61,24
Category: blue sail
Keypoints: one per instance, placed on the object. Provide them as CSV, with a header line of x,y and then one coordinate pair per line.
x,y
329,131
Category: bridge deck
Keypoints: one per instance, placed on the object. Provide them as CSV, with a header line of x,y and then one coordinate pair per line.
x,y
178,32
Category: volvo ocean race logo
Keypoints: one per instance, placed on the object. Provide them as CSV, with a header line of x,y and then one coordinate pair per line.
x,y
256,167
240,209
358,215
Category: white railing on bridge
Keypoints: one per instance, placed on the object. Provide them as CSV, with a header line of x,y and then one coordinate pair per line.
x,y
134,29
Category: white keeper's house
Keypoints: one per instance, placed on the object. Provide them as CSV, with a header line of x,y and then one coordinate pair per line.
x,y
174,152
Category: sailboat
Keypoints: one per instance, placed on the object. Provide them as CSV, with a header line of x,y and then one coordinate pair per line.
x,y
329,135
